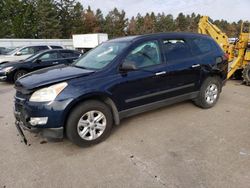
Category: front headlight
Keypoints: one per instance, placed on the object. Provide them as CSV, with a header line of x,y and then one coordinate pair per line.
x,y
6,69
48,94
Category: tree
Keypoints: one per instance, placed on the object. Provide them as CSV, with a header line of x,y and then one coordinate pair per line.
x,y
77,25
100,20
18,18
181,22
149,24
49,22
90,21
165,23
116,23
62,18
132,27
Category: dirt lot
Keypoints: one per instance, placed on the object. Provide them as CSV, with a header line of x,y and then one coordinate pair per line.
x,y
177,146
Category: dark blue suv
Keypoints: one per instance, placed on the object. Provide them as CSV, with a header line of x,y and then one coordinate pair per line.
x,y
117,79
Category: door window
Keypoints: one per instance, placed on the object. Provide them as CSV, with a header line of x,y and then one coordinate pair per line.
x,y
176,50
49,56
27,51
145,55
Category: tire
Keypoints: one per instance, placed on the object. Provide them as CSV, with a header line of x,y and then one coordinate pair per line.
x,y
83,120
18,74
209,93
246,75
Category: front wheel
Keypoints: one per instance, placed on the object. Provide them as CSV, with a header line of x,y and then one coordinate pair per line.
x,y
209,92
89,123
19,74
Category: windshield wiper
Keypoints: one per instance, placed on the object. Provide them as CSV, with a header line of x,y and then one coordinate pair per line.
x,y
81,67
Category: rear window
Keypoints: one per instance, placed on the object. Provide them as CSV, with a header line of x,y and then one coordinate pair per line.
x,y
56,47
203,46
176,49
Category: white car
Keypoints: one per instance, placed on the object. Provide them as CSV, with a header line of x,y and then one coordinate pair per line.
x,y
21,53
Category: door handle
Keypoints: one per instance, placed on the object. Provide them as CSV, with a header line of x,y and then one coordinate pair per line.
x,y
196,65
54,63
160,73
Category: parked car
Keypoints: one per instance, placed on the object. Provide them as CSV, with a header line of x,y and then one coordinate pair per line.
x,y
118,79
2,50
21,53
13,70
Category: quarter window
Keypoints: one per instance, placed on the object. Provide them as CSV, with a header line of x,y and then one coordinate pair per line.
x,y
203,46
176,49
146,54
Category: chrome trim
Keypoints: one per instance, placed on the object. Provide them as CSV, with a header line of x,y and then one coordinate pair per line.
x,y
18,98
160,73
3,77
196,65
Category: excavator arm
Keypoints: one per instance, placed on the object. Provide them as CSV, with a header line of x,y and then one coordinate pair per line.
x,y
238,60
206,27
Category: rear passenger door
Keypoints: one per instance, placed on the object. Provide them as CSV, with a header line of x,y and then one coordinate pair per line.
x,y
183,68
69,56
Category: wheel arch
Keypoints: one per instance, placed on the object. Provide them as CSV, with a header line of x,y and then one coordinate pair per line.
x,y
102,97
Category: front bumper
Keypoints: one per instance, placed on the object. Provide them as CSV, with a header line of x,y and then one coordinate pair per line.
x,y
46,132
3,78
54,111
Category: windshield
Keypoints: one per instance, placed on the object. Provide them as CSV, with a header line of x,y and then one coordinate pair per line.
x,y
32,57
101,56
12,51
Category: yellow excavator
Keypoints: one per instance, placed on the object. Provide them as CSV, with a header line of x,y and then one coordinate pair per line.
x,y
238,52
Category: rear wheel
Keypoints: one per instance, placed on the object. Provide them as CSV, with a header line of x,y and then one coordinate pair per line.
x,y
89,123
19,74
209,93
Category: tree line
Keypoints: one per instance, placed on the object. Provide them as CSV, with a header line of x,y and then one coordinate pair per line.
x,y
62,18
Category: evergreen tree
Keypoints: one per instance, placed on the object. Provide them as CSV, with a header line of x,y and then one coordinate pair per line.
x,y
90,21
62,18
181,22
100,20
49,22
132,27
77,26
116,23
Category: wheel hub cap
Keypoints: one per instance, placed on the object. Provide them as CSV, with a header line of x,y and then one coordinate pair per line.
x,y
91,125
211,93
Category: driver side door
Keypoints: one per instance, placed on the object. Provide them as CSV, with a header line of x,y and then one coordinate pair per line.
x,y
48,59
143,85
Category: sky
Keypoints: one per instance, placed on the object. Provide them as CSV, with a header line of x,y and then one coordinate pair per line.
x,y
230,10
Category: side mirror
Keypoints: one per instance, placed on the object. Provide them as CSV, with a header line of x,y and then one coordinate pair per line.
x,y
128,67
38,61
18,53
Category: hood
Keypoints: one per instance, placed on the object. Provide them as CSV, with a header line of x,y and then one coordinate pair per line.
x,y
10,64
50,75
8,58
